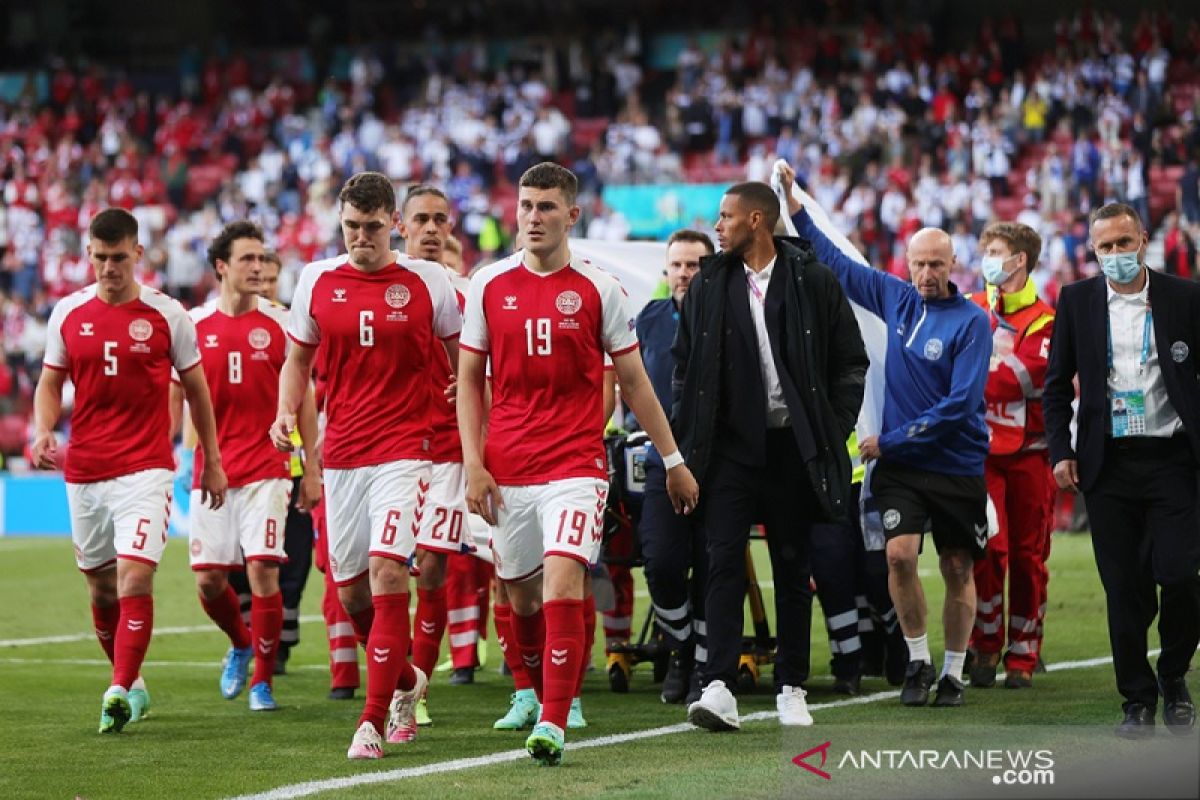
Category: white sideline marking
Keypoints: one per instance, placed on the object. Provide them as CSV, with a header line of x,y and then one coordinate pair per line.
x,y
104,662
90,635
308,788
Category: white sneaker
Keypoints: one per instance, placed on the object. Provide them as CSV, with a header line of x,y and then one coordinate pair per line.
x,y
366,743
402,717
793,710
716,710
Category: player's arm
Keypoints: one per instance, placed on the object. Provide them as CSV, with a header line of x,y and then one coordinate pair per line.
x,y
451,346
310,483
610,394
638,394
483,495
294,380
47,408
213,482
175,409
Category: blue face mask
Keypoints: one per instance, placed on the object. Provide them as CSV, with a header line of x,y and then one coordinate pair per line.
x,y
993,269
1121,267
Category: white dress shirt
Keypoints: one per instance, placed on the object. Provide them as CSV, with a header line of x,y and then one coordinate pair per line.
x,y
1127,318
756,289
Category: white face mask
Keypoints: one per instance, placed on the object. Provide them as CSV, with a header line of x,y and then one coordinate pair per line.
x,y
993,269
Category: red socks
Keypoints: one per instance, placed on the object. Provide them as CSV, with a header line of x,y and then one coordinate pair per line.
x,y
387,657
226,611
589,638
133,637
363,621
530,635
266,623
428,628
106,620
561,658
509,647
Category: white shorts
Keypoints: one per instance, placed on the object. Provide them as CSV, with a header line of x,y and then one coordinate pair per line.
x,y
560,518
373,511
123,517
444,526
250,524
481,537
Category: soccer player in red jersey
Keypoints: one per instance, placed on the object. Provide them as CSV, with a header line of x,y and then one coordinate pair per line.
x,y
425,225
379,319
243,343
545,321
117,341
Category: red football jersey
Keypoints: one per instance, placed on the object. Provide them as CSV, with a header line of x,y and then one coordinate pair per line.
x,y
447,446
546,337
242,357
379,331
120,360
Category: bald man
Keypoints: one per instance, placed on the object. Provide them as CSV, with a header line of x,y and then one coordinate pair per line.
x,y
930,453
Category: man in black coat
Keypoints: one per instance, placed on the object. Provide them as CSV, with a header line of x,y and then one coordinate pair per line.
x,y
768,382
1133,338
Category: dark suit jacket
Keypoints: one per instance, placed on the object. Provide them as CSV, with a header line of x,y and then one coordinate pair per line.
x,y
1079,346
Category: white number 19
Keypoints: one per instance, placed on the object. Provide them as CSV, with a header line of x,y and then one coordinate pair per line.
x,y
538,329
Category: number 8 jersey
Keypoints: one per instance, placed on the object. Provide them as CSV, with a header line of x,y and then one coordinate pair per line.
x,y
120,359
546,336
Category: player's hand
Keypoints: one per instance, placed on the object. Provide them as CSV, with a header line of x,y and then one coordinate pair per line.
x,y
868,449
1066,475
213,484
45,450
483,495
310,489
451,392
281,432
787,176
683,489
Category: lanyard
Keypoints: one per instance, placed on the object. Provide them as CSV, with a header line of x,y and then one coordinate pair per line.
x,y
1145,341
753,284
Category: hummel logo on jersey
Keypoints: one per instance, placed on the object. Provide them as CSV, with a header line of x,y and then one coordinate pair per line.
x,y
558,657
135,624
510,303
428,627
210,340
265,645
339,295
85,329
381,654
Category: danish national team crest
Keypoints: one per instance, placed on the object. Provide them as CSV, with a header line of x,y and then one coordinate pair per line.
x,y
260,338
397,295
933,349
140,330
568,302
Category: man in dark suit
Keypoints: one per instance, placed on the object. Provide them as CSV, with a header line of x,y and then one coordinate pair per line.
x,y
768,382
1133,338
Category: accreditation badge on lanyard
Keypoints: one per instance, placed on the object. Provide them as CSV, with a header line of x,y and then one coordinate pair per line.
x,y
1127,408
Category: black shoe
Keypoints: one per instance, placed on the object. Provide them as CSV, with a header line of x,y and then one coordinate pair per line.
x,y
694,690
895,664
849,686
281,660
341,693
678,678
917,679
1179,713
462,676
504,670
1138,722
983,670
949,692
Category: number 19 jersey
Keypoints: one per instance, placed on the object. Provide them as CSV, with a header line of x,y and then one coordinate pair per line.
x,y
546,336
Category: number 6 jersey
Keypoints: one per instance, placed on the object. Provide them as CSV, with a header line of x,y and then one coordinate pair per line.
x,y
546,336
120,359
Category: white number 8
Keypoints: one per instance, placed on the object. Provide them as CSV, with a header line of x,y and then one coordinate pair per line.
x,y
366,334
235,366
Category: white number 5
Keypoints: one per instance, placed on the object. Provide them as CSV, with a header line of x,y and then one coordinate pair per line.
x,y
366,334
110,358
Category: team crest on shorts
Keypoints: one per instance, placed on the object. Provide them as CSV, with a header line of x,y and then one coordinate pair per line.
x,y
197,547
891,518
397,295
140,330
568,302
933,349
259,338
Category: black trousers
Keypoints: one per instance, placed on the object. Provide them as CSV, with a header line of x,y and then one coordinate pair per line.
x,y
676,565
779,496
833,567
1146,538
